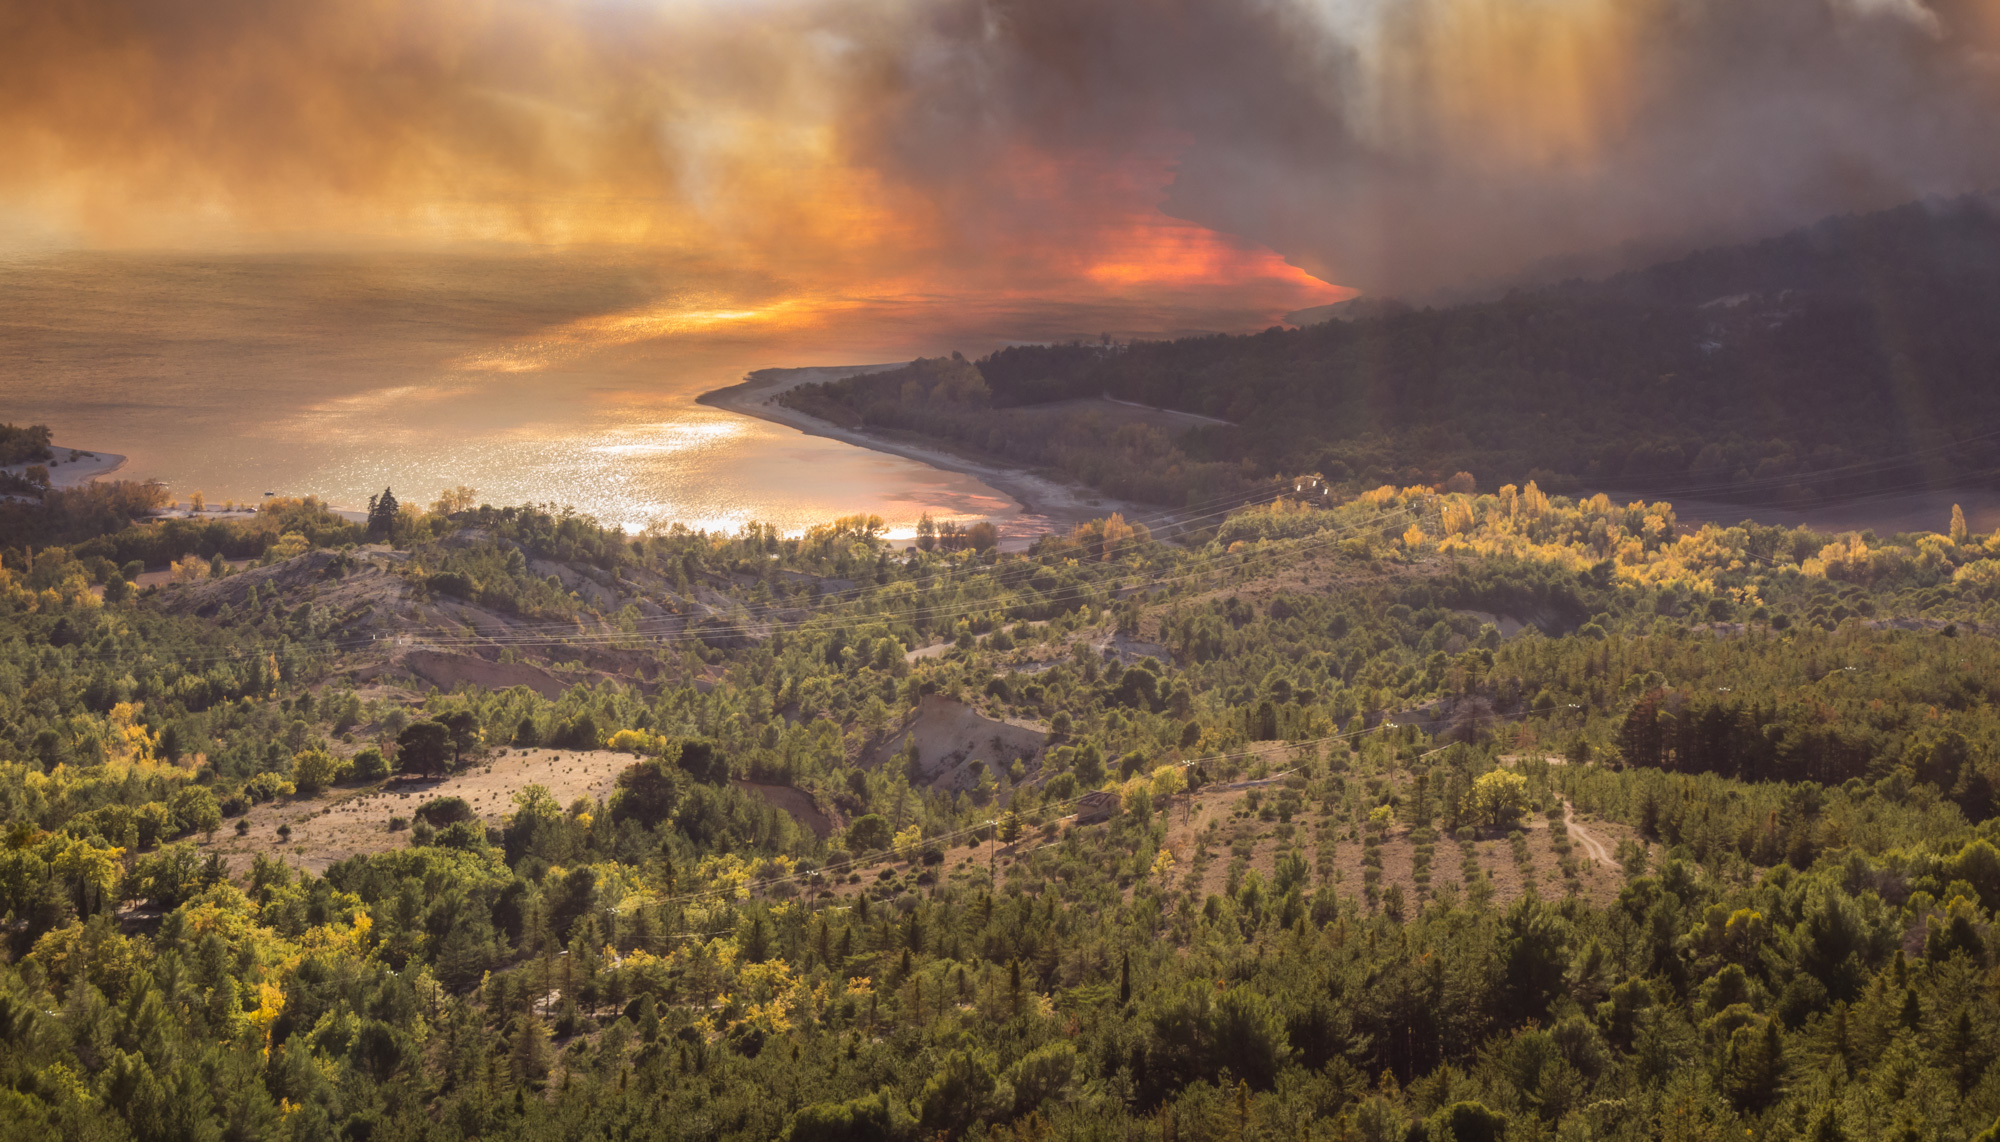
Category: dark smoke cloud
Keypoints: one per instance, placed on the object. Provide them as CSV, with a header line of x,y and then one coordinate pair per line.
x,y
1423,143
1395,145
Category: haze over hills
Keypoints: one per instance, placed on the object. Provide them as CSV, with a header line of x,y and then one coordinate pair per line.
x,y
1849,357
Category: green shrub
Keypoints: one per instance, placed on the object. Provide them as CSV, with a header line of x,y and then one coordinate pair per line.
x,y
869,833
441,811
369,765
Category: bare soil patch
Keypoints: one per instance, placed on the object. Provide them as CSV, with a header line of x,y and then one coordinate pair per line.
x,y
950,735
450,671
794,801
351,822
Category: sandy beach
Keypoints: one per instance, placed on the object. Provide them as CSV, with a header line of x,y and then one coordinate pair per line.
x,y
1061,504
73,467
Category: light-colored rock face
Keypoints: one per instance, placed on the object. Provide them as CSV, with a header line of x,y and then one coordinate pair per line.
x,y
950,735
1095,807
1132,651
450,671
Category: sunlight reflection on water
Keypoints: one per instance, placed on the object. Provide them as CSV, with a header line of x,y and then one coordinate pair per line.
x,y
542,380
665,437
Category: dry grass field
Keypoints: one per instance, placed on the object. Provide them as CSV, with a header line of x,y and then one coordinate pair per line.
x,y
348,822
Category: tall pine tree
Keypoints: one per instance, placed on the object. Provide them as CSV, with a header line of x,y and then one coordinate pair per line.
x,y
382,511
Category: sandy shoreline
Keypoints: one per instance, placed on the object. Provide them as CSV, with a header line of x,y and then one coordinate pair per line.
x,y
1060,504
67,473
89,465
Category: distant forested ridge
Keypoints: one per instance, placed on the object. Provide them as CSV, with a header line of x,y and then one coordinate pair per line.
x,y
1855,355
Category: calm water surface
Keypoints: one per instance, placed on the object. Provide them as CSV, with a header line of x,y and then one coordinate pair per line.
x,y
562,379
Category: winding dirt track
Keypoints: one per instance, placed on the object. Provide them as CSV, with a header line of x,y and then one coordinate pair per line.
x,y
1591,844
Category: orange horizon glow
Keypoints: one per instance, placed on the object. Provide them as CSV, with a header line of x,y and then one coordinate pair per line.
x,y
1109,244
732,143
957,148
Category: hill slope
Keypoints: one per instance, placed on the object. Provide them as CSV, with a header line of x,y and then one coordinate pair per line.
x,y
1847,357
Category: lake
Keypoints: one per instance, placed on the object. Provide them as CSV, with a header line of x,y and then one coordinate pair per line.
x,y
533,378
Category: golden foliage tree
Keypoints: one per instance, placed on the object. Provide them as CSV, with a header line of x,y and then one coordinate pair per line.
x,y
1498,797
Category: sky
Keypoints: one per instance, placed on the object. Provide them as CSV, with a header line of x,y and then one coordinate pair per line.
x,y
1291,152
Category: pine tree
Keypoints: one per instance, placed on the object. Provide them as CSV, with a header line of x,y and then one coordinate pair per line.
x,y
528,1054
382,511
756,944
1826,1127
647,1018
1961,1049
1753,1065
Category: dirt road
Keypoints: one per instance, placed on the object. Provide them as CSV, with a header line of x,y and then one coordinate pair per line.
x,y
1590,844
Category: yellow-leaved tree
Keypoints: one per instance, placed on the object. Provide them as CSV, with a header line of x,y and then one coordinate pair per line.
x,y
1498,797
451,501
1457,516
88,872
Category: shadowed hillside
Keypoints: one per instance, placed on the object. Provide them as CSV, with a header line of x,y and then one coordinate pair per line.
x,y
1851,357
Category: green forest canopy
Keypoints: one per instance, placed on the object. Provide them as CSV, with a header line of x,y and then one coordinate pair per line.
x,y
1796,733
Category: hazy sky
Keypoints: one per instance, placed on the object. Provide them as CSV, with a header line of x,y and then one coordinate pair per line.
x,y
1026,147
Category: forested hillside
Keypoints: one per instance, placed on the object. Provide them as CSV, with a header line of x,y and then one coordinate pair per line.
x,y
1426,815
1852,357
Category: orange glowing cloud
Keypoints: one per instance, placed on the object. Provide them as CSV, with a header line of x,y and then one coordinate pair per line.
x,y
685,127
1068,148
